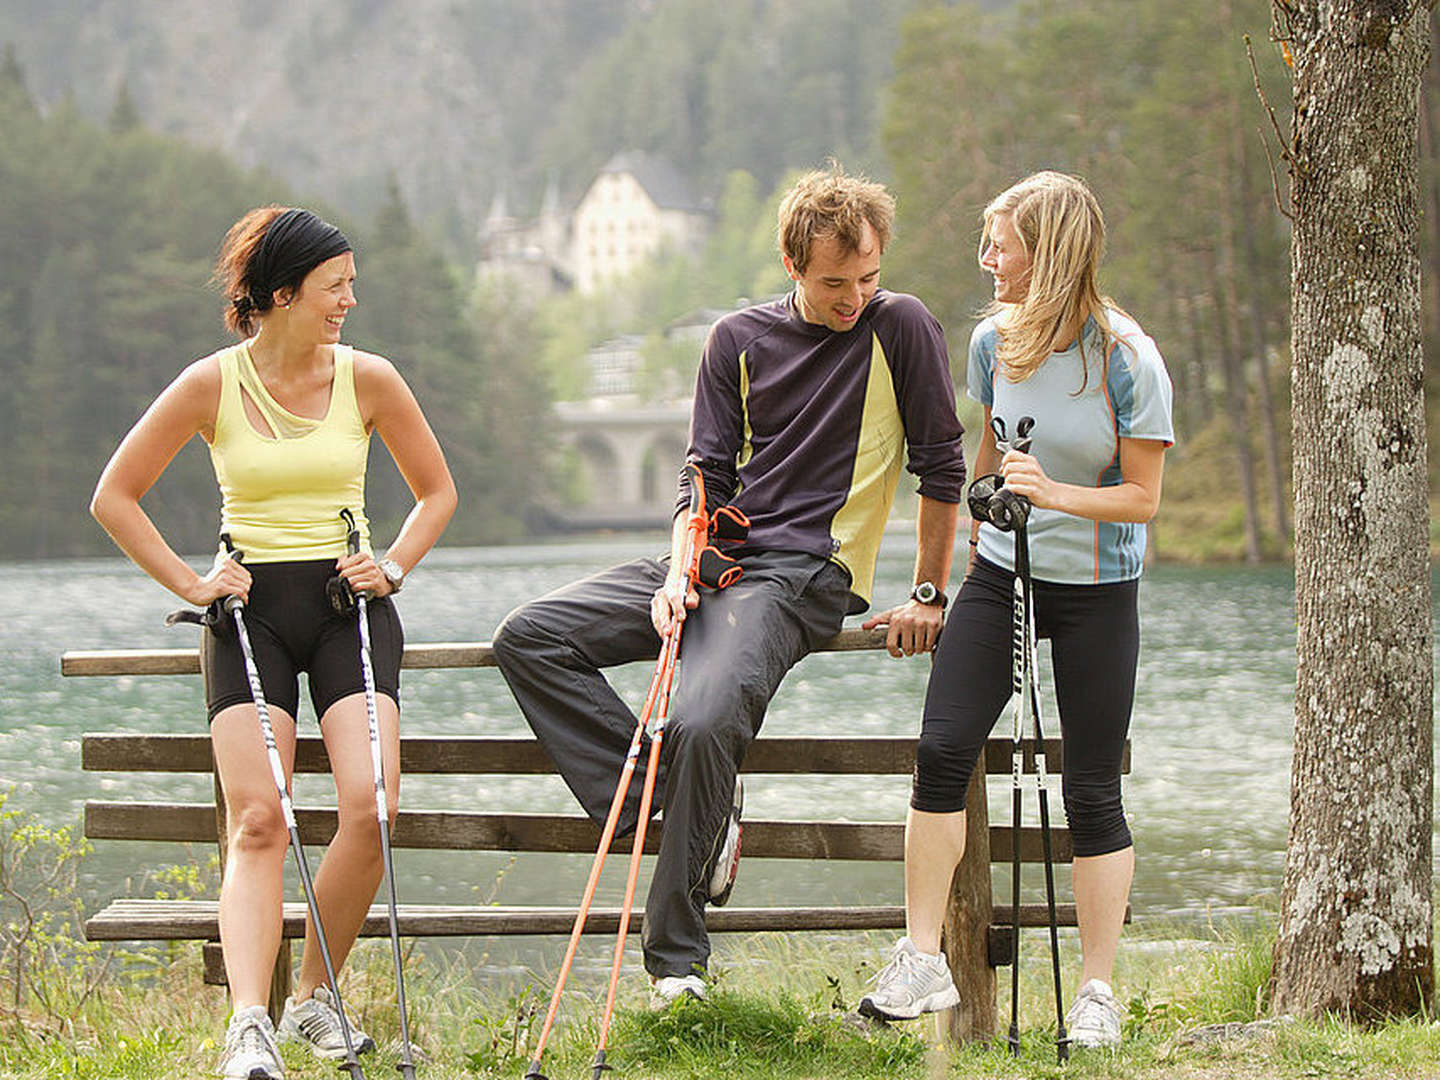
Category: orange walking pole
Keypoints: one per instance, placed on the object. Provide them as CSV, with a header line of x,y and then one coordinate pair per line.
x,y
696,529
660,681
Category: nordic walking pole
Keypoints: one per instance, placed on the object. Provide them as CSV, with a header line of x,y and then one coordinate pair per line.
x,y
1019,655
235,605
406,1066
696,527
1032,691
991,501
607,834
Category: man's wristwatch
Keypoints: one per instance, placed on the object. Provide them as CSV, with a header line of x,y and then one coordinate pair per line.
x,y
393,573
925,592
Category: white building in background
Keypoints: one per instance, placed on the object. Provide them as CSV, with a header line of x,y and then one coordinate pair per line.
x,y
637,205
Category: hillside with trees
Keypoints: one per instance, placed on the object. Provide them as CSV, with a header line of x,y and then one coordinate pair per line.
x,y
456,102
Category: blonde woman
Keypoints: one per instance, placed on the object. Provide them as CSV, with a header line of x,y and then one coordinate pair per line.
x,y
1054,348
288,413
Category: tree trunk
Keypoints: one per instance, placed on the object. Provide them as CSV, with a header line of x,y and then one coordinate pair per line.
x,y
1356,926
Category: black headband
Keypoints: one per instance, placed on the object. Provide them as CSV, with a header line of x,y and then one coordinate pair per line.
x,y
295,243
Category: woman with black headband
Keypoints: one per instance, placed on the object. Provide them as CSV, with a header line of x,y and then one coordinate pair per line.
x,y
287,414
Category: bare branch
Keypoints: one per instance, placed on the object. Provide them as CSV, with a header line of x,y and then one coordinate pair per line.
x,y
1285,149
1275,179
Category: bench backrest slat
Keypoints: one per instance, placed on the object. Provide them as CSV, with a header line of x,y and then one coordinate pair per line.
x,y
557,833
480,755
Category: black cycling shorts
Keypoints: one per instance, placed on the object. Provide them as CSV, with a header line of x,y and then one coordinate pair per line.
x,y
293,628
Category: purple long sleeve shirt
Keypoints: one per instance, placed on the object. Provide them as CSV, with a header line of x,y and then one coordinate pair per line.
x,y
805,429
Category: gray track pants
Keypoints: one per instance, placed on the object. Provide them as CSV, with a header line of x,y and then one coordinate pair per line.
x,y
737,646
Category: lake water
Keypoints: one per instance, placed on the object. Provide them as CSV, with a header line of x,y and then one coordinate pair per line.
x,y
1208,796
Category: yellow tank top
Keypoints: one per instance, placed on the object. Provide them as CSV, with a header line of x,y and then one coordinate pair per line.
x,y
282,494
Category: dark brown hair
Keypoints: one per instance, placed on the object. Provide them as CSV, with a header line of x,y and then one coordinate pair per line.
x,y
234,268
270,249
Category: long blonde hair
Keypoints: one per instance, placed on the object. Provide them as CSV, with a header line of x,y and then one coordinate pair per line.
x,y
1059,221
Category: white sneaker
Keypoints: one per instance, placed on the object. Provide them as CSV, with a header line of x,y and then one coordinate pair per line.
x,y
910,984
316,1023
250,1050
727,863
1094,1019
665,991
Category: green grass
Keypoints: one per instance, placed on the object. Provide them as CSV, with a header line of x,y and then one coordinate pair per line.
x,y
777,1010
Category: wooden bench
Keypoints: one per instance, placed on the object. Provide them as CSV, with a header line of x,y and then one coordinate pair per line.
x,y
978,933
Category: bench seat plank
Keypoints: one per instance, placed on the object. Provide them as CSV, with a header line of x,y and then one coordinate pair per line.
x,y
185,920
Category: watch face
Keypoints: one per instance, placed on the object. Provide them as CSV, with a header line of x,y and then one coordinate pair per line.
x,y
925,592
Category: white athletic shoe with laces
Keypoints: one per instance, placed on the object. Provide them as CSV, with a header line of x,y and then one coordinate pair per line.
x,y
727,862
669,989
1094,1020
910,984
316,1023
250,1049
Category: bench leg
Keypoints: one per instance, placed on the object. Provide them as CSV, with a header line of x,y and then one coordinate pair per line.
x,y
279,980
967,924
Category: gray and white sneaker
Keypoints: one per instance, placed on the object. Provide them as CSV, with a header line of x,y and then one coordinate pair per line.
x,y
669,989
727,862
250,1049
910,984
316,1023
1094,1019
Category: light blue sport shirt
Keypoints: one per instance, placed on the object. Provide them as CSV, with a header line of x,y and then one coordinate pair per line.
x,y
1077,441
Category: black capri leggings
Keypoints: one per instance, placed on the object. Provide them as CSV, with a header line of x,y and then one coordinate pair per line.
x,y
1094,631
293,628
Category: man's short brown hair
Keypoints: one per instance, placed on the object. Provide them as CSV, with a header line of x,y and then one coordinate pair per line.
x,y
827,203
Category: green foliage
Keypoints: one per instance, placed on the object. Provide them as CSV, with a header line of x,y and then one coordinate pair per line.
x,y
47,970
751,84
188,881
107,240
508,1034
757,1035
1155,105
475,379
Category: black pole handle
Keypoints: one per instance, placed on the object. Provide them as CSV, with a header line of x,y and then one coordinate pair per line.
x,y
1022,434
1023,438
232,603
352,531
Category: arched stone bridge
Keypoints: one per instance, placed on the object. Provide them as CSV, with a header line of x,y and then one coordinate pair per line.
x,y
627,458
